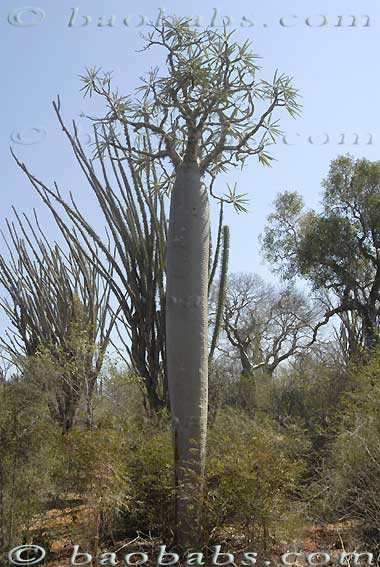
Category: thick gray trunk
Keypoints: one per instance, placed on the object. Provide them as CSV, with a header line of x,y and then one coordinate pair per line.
x,y
187,347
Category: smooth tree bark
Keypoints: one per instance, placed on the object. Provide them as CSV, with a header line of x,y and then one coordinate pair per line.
x,y
187,340
209,113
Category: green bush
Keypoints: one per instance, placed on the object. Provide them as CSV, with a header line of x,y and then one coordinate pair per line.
x,y
252,476
94,470
351,478
252,479
29,455
120,471
149,459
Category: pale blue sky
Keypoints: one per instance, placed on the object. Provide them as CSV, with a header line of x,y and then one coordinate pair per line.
x,y
334,65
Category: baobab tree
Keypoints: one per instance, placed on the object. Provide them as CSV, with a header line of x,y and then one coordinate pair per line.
x,y
210,111
207,113
132,262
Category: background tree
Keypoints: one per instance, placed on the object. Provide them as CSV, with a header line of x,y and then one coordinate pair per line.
x,y
338,248
131,199
58,311
349,335
263,325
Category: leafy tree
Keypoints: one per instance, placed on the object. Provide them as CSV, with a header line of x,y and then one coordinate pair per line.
x,y
338,248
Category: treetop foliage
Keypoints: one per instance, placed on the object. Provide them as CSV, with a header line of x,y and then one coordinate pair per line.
x,y
338,248
204,108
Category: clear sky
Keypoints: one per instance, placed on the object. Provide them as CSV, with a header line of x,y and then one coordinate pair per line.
x,y
330,47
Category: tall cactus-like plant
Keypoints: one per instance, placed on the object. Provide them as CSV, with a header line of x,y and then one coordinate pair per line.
x,y
131,198
221,291
57,306
214,264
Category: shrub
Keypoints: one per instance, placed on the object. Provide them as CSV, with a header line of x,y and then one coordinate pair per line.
x,y
29,449
94,469
252,476
351,478
149,458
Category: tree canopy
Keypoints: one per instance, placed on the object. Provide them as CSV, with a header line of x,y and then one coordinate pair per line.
x,y
337,249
